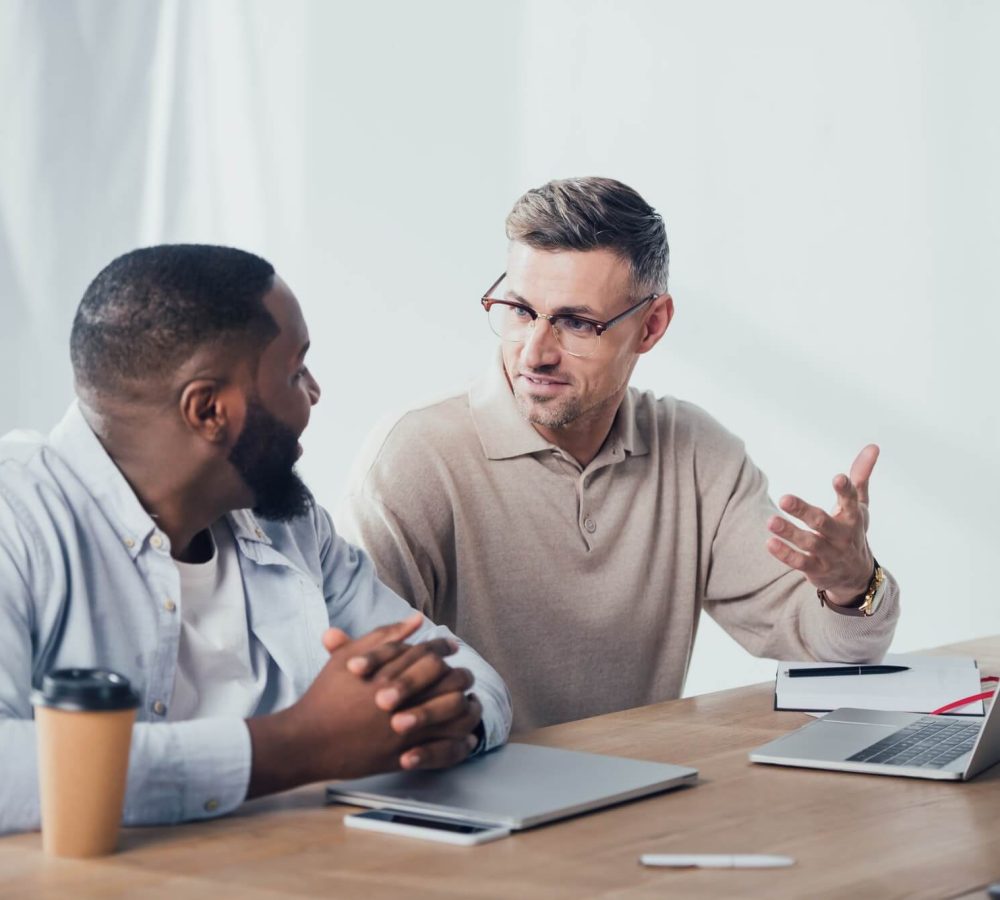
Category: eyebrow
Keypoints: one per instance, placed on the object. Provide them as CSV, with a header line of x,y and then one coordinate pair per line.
x,y
579,310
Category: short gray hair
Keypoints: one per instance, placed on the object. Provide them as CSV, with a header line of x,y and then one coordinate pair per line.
x,y
593,213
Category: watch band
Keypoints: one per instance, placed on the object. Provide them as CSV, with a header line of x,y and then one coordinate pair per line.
x,y
870,602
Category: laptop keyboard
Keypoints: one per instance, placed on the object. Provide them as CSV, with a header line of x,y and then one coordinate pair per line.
x,y
927,744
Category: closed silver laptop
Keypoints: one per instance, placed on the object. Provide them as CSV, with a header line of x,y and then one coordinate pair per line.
x,y
517,786
951,748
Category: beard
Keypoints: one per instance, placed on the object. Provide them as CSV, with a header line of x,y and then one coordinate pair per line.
x,y
265,455
548,411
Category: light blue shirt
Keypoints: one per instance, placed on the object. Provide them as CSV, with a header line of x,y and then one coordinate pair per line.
x,y
86,579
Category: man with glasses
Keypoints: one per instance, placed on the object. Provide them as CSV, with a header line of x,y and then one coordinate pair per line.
x,y
572,527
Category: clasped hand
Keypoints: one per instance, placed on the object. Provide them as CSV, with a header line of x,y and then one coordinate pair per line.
x,y
425,697
833,552
378,704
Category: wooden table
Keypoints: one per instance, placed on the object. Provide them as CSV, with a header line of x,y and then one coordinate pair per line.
x,y
852,835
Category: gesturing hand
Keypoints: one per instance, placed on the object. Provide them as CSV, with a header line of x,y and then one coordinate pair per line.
x,y
833,552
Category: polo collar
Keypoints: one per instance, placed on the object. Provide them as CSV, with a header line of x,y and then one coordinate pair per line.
x,y
505,434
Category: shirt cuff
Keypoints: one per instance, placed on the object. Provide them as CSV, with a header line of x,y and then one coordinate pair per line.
x,y
181,771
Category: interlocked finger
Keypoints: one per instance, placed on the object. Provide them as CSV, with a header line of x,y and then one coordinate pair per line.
x,y
460,712
438,754
426,671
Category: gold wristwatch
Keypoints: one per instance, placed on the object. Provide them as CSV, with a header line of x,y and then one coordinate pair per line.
x,y
871,601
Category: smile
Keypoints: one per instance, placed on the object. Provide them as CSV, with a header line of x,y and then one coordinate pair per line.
x,y
539,384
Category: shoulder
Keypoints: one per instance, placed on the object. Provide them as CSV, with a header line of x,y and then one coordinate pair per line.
x,y
32,480
686,427
36,515
417,443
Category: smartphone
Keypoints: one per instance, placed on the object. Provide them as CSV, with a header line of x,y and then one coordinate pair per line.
x,y
429,828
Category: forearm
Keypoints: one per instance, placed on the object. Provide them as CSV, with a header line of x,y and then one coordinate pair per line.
x,y
177,772
785,620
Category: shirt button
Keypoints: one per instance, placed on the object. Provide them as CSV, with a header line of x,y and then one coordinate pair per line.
x,y
211,805
129,543
259,533
160,708
169,605
156,541
590,524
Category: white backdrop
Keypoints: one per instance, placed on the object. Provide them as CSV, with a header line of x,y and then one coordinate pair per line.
x,y
828,173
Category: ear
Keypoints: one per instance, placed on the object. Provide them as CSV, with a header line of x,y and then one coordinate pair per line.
x,y
658,319
212,410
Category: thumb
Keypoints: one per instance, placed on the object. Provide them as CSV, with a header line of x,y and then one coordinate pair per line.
x,y
334,639
861,470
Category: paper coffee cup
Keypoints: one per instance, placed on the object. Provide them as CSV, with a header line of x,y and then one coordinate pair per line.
x,y
84,721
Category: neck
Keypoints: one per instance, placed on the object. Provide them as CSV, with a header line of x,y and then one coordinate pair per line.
x,y
182,494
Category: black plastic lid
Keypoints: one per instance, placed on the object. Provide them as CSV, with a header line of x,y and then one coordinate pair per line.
x,y
85,690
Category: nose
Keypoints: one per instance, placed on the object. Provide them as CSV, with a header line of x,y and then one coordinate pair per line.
x,y
541,347
313,389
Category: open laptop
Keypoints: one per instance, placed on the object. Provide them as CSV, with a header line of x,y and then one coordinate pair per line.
x,y
517,786
891,743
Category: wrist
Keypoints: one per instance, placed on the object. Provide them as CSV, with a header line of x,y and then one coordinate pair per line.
x,y
277,763
864,604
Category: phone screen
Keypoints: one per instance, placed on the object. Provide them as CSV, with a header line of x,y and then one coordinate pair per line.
x,y
386,815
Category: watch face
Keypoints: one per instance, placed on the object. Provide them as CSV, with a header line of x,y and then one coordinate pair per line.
x,y
874,599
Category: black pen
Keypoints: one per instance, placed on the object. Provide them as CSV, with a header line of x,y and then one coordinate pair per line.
x,y
845,670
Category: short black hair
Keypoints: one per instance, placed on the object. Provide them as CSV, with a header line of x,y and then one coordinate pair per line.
x,y
148,311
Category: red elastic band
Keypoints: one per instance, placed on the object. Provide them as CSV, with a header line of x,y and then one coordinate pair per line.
x,y
965,701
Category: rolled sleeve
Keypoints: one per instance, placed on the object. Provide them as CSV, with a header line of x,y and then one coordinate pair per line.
x,y
181,771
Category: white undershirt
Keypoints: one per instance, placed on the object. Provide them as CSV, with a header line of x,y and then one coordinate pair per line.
x,y
216,673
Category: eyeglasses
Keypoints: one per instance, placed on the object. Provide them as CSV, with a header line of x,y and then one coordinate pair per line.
x,y
577,335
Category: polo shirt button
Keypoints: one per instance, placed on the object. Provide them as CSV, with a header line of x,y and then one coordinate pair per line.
x,y
590,524
160,708
211,805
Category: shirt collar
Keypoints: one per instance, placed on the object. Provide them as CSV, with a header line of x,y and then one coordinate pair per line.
x,y
79,448
504,433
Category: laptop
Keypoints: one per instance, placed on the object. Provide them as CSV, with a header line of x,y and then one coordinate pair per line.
x,y
517,786
947,748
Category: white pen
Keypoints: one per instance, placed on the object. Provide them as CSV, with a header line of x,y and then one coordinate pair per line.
x,y
715,860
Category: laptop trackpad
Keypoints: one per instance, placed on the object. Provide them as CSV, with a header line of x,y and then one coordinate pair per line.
x,y
831,740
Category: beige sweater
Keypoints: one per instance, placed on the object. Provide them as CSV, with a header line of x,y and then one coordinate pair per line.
x,y
583,586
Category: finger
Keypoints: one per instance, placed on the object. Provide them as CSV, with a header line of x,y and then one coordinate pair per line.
x,y
451,708
372,661
438,754
861,470
818,520
424,673
388,660
458,679
808,541
794,559
334,639
397,631
439,647
847,498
